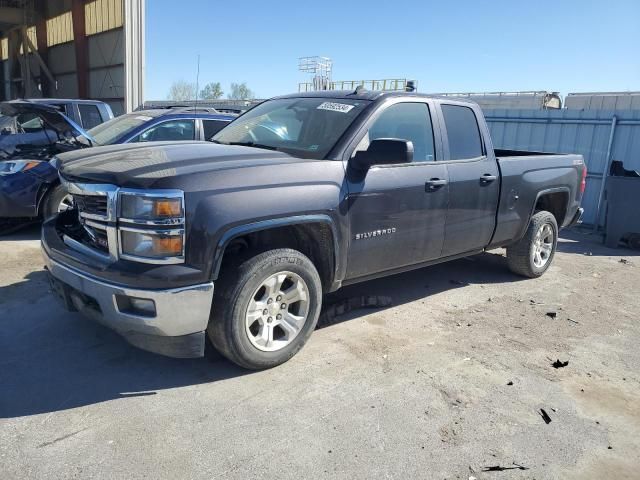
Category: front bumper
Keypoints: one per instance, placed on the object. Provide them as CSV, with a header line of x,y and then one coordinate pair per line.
x,y
176,328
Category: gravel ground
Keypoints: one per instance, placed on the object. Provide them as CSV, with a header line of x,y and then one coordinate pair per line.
x,y
448,382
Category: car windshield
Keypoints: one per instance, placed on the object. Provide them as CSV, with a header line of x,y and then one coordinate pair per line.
x,y
109,132
305,127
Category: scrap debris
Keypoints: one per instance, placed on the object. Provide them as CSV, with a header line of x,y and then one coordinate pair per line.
x,y
559,364
545,416
499,468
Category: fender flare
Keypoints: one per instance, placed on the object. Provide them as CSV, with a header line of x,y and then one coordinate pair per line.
x,y
541,193
547,191
239,230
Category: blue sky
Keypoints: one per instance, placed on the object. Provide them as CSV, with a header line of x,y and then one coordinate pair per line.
x,y
454,45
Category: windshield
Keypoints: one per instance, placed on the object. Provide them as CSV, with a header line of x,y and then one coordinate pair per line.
x,y
109,132
306,127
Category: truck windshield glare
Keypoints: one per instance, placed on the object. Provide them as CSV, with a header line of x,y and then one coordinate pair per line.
x,y
305,127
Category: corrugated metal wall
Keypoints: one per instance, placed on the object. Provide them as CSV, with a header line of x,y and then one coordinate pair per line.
x,y
603,101
586,132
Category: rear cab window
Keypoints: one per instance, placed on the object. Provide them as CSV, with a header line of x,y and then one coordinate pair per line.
x,y
463,132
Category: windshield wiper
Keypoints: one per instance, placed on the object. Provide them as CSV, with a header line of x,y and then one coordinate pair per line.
x,y
253,144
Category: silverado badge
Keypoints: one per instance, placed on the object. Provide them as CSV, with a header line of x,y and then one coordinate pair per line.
x,y
375,233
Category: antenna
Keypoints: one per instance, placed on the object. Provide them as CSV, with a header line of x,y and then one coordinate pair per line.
x,y
195,107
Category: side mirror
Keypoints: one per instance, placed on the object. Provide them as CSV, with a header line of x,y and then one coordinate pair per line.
x,y
384,151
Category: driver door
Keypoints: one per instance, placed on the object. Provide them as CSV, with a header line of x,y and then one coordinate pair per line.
x,y
397,212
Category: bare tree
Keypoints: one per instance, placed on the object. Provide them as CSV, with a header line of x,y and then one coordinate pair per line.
x,y
240,91
181,91
211,91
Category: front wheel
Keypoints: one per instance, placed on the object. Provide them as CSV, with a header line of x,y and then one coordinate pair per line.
x,y
533,254
266,309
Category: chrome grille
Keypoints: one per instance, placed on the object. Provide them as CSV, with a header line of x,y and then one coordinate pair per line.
x,y
97,236
95,205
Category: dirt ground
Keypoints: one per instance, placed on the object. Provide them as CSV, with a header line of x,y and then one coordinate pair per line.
x,y
449,382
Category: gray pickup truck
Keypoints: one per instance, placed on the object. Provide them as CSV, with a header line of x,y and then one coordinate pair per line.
x,y
297,197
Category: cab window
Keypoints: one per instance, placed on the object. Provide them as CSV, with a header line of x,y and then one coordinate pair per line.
x,y
173,130
404,121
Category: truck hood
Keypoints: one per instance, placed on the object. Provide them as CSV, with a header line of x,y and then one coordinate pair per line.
x,y
153,164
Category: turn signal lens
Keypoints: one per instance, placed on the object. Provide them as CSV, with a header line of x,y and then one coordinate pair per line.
x,y
167,246
167,208
150,245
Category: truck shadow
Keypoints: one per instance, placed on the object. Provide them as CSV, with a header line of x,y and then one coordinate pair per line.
x,y
51,360
30,231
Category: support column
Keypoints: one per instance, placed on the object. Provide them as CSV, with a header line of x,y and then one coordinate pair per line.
x,y
134,63
41,43
81,48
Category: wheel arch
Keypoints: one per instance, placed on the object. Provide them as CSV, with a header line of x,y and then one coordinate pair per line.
x,y
553,200
43,195
313,235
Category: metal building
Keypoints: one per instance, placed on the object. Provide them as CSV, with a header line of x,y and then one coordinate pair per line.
x,y
603,101
599,135
519,100
73,49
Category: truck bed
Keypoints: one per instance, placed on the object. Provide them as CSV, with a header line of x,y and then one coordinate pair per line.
x,y
527,175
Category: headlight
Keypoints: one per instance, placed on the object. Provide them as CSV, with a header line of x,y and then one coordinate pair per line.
x,y
152,244
15,166
151,225
157,207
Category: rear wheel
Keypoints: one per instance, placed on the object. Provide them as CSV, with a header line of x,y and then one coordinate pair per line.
x,y
58,200
266,309
533,254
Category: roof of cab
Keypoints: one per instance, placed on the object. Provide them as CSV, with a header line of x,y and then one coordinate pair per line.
x,y
371,95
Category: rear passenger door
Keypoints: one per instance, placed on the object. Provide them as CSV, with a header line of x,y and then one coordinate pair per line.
x,y
397,211
474,180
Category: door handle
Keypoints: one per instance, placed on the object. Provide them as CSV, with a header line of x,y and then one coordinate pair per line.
x,y
488,178
434,184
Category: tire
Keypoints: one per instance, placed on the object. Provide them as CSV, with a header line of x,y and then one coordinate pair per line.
x,y
54,201
521,256
243,315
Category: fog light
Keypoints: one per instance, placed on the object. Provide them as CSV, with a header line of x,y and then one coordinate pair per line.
x,y
136,306
143,305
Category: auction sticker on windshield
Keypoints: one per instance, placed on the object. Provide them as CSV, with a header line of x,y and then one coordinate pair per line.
x,y
335,107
